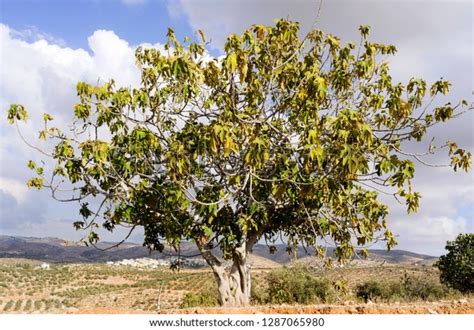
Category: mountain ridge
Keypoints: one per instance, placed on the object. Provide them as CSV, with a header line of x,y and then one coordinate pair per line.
x,y
56,250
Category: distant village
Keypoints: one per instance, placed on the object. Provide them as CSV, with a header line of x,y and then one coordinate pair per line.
x,y
156,263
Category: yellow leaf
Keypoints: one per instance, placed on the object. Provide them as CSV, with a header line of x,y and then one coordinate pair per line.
x,y
214,145
243,72
231,62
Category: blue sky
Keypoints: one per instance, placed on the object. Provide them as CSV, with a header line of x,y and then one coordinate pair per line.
x,y
45,44
75,21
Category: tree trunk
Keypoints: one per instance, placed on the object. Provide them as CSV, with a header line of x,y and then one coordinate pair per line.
x,y
234,284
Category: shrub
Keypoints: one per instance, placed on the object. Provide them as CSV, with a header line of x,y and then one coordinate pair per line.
x,y
47,304
408,289
201,299
297,285
258,294
206,297
457,267
27,305
37,305
57,303
8,305
417,288
18,305
370,290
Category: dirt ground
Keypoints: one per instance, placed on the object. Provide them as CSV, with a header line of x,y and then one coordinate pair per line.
x,y
462,306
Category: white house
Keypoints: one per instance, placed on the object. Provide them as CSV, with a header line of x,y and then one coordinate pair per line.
x,y
44,265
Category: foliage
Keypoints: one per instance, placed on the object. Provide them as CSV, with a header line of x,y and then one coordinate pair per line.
x,y
200,299
457,266
410,288
370,290
259,293
18,304
418,288
8,305
297,285
206,296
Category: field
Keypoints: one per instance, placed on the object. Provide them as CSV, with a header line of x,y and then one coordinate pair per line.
x,y
101,288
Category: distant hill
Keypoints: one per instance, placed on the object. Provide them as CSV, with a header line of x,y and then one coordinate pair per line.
x,y
57,250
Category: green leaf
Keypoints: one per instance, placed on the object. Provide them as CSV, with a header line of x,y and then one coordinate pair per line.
x,y
16,112
203,37
31,165
364,30
35,183
47,117
42,135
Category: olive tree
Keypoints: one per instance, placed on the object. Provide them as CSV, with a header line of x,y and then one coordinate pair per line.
x,y
282,136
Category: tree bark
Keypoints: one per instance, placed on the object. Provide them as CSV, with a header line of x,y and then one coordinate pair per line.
x,y
233,285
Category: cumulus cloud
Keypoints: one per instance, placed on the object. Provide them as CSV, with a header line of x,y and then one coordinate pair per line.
x,y
14,189
42,76
429,234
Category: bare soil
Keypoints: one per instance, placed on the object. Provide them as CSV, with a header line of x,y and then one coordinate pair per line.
x,y
462,306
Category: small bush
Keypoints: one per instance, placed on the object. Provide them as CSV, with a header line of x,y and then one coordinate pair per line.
x,y
37,305
416,288
18,305
200,299
408,289
370,290
297,285
57,303
27,305
258,294
47,304
207,296
8,305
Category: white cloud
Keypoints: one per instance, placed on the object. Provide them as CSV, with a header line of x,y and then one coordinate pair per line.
x,y
15,188
42,76
444,210
429,234
113,58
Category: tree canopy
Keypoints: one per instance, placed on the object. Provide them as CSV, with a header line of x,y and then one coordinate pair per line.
x,y
282,136
457,266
